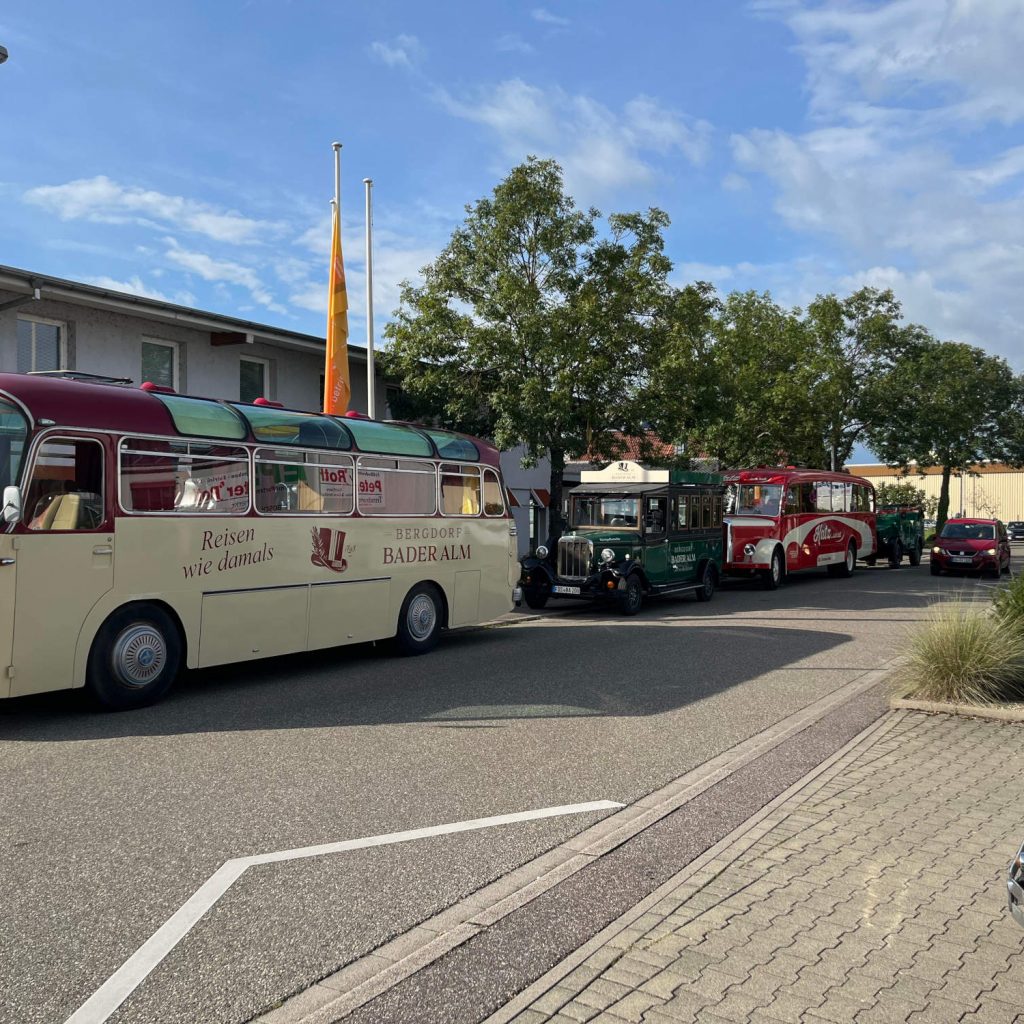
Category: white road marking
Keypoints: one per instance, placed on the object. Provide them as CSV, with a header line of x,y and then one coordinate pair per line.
x,y
116,989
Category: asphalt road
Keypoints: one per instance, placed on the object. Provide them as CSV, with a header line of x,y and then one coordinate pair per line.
x,y
108,823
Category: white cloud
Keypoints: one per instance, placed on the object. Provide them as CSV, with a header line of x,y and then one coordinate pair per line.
x,y
136,286
102,200
512,42
733,182
545,17
403,52
133,286
222,272
882,173
959,59
599,149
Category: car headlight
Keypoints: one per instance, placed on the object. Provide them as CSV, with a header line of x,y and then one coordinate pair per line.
x,y
990,551
936,550
607,555
542,551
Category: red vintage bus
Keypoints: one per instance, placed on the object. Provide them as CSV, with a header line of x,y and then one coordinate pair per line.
x,y
780,520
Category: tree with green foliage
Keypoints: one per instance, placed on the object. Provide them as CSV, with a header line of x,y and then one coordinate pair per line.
x,y
905,493
758,379
536,328
852,344
950,405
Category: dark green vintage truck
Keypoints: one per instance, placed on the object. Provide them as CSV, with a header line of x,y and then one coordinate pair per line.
x,y
629,539
900,532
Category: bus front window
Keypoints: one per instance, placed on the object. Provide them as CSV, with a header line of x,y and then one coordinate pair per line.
x,y
594,511
13,431
755,499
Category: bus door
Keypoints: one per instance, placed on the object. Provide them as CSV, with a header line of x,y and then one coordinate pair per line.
x,y
64,558
8,577
655,539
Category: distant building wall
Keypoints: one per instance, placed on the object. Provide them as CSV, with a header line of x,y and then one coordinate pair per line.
x,y
528,489
107,342
992,490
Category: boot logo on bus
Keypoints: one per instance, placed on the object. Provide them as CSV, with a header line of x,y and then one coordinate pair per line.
x,y
328,549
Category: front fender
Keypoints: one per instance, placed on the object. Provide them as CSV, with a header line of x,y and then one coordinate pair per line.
x,y
536,569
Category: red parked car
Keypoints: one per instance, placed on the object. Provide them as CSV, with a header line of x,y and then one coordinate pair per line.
x,y
972,544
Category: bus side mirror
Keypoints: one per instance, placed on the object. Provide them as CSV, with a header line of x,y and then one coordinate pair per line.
x,y
12,504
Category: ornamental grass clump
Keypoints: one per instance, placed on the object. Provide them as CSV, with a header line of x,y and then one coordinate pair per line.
x,y
1008,603
964,655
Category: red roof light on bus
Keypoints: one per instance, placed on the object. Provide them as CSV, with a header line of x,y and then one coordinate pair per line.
x,y
160,389
353,415
267,401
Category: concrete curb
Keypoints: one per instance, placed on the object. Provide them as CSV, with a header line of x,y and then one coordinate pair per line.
x,y
933,707
734,844
338,995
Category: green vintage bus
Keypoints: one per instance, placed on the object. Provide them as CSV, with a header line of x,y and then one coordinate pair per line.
x,y
633,533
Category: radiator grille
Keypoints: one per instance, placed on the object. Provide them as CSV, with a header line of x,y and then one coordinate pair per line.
x,y
575,555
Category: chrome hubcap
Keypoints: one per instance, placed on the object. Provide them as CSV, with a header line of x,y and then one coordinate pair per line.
x,y
139,655
422,617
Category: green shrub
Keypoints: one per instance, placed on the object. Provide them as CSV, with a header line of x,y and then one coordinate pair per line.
x,y
964,655
1009,603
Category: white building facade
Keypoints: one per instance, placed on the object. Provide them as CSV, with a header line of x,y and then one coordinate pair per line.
x,y
50,324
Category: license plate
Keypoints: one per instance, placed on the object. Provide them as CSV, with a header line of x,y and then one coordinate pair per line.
x,y
961,558
571,591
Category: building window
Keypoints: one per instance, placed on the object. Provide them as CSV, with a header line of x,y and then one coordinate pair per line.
x,y
253,379
40,345
160,362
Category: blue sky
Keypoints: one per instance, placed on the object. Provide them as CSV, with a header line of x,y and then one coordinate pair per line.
x,y
184,150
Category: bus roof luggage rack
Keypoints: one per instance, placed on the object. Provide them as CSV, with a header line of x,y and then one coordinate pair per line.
x,y
89,378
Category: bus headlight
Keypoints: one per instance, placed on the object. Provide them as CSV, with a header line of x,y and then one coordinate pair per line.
x,y
607,555
748,550
542,551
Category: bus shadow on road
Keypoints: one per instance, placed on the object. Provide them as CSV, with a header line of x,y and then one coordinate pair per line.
x,y
624,668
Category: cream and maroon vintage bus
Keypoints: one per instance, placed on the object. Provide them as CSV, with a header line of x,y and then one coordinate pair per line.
x,y
145,530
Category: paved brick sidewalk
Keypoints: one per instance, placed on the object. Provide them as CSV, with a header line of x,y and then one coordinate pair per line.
x,y
875,893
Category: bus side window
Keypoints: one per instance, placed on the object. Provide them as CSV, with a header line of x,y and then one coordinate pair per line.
x,y
66,490
494,502
718,511
793,500
682,509
655,515
839,497
460,490
396,487
822,496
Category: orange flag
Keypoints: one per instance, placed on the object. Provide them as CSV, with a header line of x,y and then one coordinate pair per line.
x,y
337,389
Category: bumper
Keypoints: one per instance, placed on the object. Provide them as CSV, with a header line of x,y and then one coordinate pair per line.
x,y
976,564
604,584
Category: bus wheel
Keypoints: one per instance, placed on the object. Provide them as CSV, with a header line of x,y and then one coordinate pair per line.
x,y
419,624
134,658
632,597
772,577
895,554
846,566
708,582
915,554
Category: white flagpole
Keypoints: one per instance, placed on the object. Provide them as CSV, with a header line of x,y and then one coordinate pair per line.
x,y
337,176
370,382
